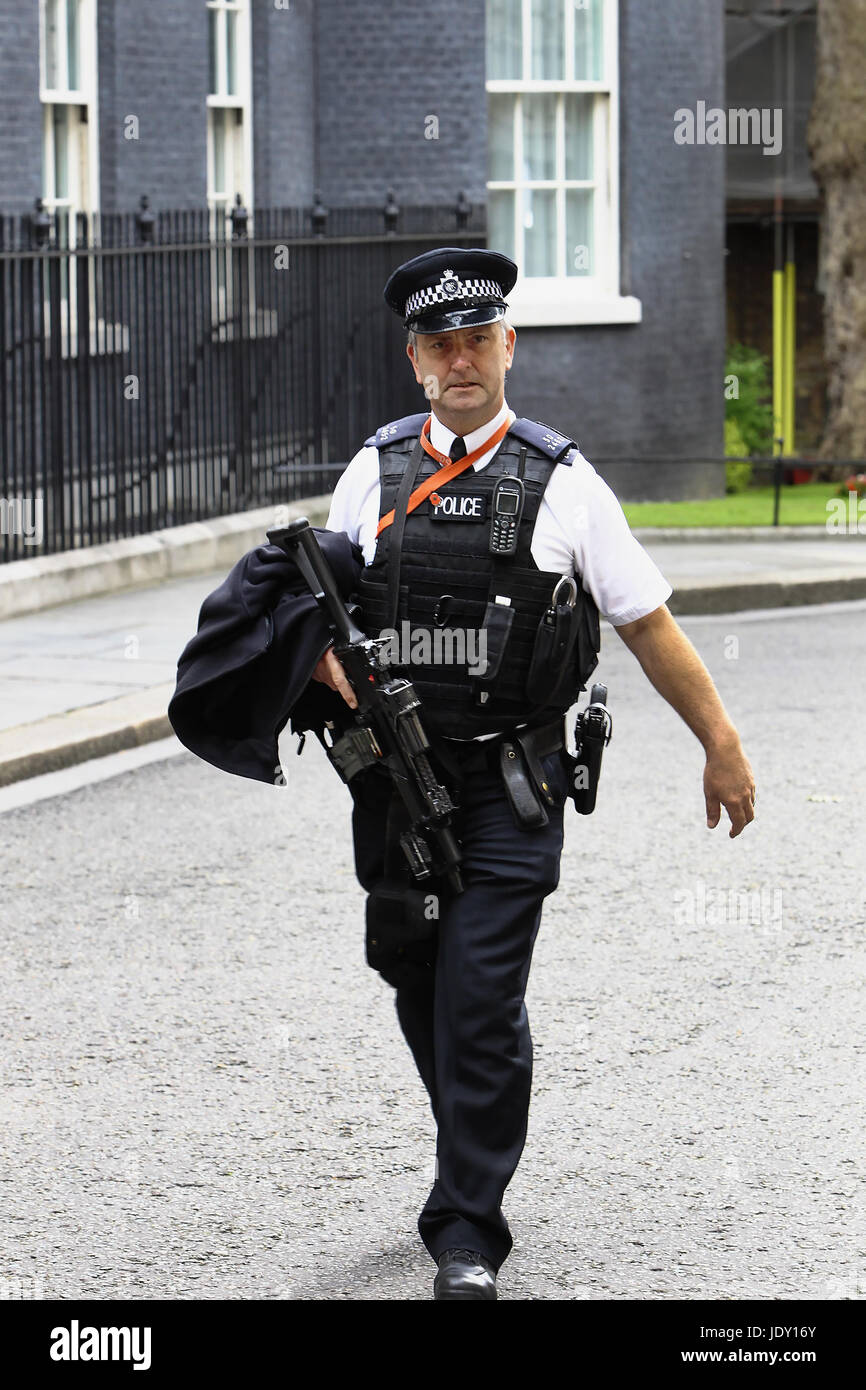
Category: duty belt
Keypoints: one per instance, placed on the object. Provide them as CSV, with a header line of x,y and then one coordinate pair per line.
x,y
516,756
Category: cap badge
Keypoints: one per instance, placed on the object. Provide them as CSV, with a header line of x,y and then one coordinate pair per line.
x,y
449,284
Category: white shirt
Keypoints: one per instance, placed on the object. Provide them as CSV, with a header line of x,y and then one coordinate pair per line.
x,y
580,526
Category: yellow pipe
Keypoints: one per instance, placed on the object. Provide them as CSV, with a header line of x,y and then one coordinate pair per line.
x,y
779,357
790,331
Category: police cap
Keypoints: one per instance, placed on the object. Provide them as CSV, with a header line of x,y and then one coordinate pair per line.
x,y
451,287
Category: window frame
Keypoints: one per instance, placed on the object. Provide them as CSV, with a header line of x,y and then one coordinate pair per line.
x,y
242,101
221,203
562,298
83,196
86,95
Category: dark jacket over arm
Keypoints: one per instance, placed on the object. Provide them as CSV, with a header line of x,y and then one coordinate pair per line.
x,y
249,666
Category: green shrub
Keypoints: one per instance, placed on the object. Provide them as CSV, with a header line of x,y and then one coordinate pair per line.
x,y
750,409
735,444
738,476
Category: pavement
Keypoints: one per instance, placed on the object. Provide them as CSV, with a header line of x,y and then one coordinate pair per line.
x,y
91,677
206,1094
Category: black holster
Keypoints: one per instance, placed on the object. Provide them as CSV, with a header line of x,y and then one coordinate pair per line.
x,y
402,931
402,919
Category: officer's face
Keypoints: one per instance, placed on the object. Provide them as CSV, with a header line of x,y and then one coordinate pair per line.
x,y
463,373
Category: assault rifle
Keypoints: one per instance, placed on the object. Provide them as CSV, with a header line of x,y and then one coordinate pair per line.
x,y
388,728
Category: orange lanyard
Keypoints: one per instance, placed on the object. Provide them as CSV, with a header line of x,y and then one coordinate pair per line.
x,y
450,468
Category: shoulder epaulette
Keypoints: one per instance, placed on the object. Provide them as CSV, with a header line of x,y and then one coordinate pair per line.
x,y
398,429
549,441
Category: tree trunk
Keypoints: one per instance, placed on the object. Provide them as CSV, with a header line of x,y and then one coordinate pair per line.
x,y
837,143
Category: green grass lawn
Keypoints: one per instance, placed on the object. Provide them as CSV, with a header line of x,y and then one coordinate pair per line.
x,y
803,504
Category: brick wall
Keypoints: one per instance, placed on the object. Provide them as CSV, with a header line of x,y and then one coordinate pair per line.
x,y
153,64
20,108
284,65
382,70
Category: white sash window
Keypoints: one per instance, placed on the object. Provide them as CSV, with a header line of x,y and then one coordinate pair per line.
x,y
229,105
230,155
553,157
68,91
70,150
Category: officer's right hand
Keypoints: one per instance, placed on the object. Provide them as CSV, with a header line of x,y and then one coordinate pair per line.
x,y
329,670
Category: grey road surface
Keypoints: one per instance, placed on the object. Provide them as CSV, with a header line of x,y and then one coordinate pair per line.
x,y
205,1091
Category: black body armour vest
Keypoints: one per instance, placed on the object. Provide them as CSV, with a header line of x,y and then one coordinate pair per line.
x,y
449,582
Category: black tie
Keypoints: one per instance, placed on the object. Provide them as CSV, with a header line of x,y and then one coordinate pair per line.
x,y
458,449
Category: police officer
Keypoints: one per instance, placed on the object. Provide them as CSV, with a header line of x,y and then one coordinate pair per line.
x,y
472,519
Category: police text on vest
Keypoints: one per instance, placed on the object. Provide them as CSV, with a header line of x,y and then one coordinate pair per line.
x,y
459,507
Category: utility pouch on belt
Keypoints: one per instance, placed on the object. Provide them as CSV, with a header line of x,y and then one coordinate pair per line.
x,y
524,779
550,670
401,931
498,621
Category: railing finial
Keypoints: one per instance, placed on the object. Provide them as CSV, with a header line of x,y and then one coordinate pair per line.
x,y
145,220
41,223
240,217
320,214
391,213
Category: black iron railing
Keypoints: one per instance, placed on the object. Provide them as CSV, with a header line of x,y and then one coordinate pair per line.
x,y
161,368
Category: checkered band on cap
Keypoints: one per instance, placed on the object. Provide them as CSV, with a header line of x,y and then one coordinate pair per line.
x,y
449,290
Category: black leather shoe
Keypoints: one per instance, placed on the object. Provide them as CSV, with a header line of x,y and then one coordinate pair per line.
x,y
464,1274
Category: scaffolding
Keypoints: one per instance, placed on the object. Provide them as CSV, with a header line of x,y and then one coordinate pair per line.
x,y
770,55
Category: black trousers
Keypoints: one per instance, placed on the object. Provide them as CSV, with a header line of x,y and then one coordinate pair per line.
x,y
465,1019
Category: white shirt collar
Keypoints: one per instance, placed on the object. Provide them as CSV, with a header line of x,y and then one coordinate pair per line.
x,y
442,438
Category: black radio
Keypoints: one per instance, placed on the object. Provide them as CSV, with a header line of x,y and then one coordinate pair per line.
x,y
507,508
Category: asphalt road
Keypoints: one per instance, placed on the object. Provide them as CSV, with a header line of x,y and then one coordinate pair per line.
x,y
206,1093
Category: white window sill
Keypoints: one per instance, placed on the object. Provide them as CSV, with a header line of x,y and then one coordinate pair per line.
x,y
551,303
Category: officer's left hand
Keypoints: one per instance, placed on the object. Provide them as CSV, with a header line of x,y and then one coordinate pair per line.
x,y
729,782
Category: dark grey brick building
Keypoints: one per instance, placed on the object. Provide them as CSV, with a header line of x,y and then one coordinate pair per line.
x,y
558,115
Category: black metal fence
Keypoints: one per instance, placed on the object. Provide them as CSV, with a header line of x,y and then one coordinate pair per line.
x,y
161,369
